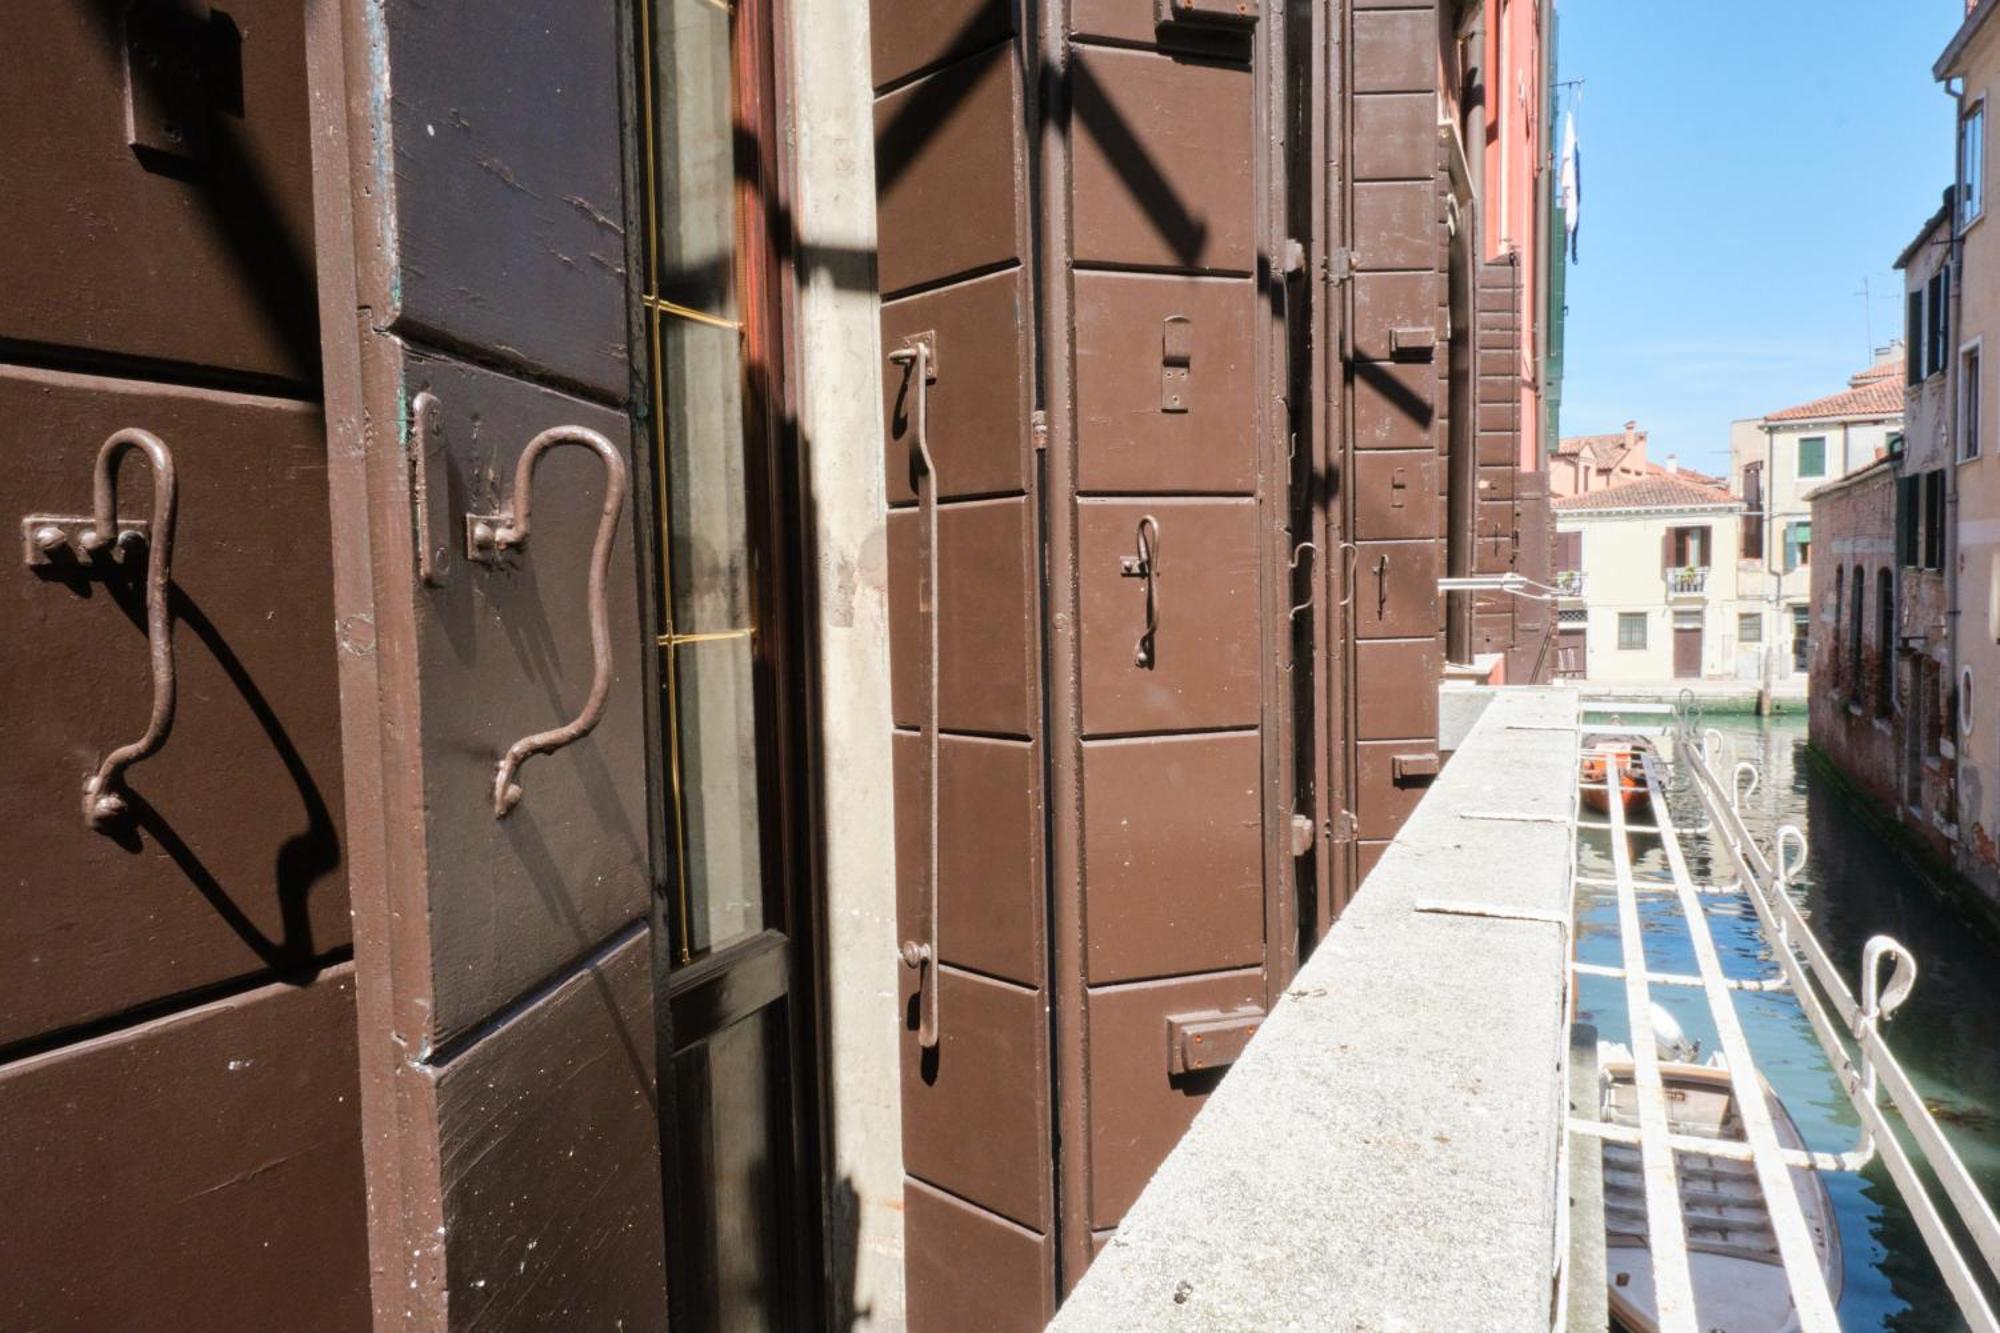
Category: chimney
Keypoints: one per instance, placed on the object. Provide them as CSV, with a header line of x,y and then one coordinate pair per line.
x,y
1634,462
1673,463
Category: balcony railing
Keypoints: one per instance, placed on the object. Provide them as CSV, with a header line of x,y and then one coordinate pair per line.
x,y
1569,582
1687,580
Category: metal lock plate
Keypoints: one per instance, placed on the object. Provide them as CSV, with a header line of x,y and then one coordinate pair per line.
x,y
1177,364
1210,1039
1399,486
183,64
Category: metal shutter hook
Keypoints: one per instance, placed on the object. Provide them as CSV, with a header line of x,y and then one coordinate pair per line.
x,y
489,536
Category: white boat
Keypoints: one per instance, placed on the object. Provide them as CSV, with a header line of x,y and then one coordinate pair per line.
x,y
1739,1281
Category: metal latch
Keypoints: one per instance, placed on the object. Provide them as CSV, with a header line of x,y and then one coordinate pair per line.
x,y
1407,767
1216,13
1209,1039
1176,364
1413,344
183,64
1399,483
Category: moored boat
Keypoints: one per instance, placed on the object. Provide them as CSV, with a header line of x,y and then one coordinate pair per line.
x,y
1739,1281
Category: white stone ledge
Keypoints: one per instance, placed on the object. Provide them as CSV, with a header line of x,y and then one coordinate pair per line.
x,y
1385,1153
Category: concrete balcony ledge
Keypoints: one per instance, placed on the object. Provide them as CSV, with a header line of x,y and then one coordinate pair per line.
x,y
1386,1154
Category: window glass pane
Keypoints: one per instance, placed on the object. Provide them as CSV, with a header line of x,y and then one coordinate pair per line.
x,y
1972,161
715,714
1631,629
707,503
1750,627
695,156
729,1235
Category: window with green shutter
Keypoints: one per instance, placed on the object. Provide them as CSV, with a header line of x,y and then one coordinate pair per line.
x,y
1812,456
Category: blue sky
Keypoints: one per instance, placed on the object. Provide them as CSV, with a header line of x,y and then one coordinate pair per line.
x,y
1745,166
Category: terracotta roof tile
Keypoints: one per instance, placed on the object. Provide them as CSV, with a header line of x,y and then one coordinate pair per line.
x,y
1662,490
1868,398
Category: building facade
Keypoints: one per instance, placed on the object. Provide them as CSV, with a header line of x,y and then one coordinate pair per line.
x,y
752,655
1647,585
1775,462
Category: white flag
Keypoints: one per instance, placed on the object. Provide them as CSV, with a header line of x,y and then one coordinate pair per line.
x,y
1571,183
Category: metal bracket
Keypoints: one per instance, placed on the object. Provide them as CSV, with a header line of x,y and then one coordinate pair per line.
x,y
1176,364
49,538
1209,1039
1413,344
427,450
928,341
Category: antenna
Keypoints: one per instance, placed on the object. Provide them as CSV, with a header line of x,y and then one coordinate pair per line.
x,y
1867,314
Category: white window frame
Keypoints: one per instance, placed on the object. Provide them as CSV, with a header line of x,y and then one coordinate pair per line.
x,y
1972,167
1969,433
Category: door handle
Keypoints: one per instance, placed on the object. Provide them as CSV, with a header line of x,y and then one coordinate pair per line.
x,y
51,537
488,537
918,354
1145,564
1381,585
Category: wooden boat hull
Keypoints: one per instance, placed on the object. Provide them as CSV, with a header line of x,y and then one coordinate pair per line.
x,y
1631,783
1739,1282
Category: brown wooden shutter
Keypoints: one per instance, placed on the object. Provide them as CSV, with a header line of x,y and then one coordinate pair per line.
x,y
475,218
1569,551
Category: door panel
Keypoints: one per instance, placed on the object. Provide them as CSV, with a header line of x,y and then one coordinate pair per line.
x,y
503,955
974,1270
1404,700
1396,495
550,1148
192,246
911,35
989,888
1391,132
1204,660
1395,590
1139,1106
209,1161
1393,405
977,397
231,862
985,641
541,281
1161,173
1397,216
1153,416
1396,316
1174,855
948,169
509,650
1386,796
976,1109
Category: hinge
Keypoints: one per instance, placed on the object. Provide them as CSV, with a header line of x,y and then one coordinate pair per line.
x,y
1038,427
1340,266
1342,828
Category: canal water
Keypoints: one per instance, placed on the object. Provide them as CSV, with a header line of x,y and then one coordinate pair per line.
x,y
1856,883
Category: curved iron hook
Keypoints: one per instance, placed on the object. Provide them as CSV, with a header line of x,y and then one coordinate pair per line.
x,y
1146,565
489,535
1298,552
1788,834
101,801
1353,565
1737,791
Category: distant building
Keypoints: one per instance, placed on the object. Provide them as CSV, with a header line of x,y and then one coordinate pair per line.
x,y
1774,462
1648,571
